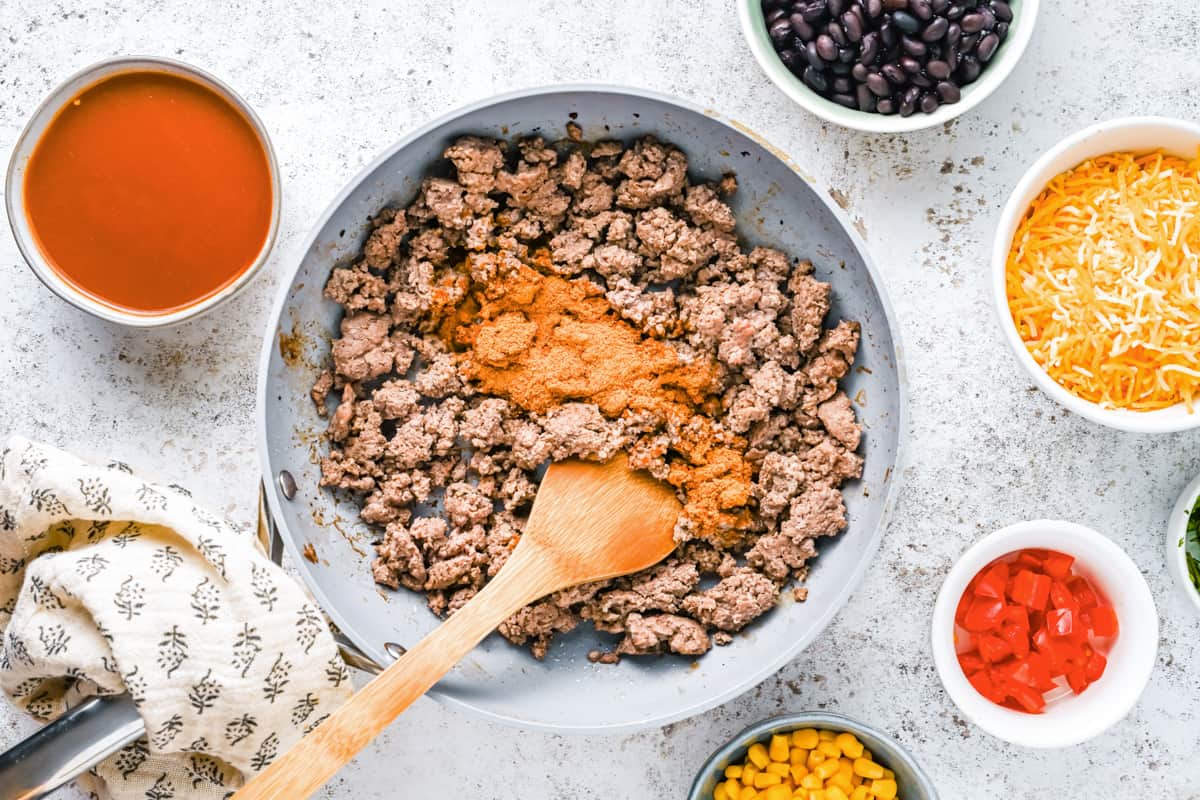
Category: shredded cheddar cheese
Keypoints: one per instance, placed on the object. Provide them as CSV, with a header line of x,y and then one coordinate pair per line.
x,y
1103,280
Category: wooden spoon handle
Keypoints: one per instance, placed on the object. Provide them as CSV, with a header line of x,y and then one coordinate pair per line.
x,y
528,575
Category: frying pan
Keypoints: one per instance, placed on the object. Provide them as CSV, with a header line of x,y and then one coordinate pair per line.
x,y
775,205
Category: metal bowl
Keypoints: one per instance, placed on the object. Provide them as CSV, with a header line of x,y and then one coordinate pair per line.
x,y
14,191
775,205
911,780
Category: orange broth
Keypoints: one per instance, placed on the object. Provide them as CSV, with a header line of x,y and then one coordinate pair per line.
x,y
149,192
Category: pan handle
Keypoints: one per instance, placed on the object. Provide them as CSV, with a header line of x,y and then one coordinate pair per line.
x,y
87,734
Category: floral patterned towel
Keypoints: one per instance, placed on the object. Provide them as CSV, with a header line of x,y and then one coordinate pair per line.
x,y
110,584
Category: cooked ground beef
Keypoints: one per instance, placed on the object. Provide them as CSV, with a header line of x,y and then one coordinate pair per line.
x,y
412,430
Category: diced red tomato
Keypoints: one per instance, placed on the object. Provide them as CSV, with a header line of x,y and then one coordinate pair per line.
x,y
1103,621
983,614
991,582
1084,594
1014,652
993,648
1031,589
970,663
1060,622
1058,565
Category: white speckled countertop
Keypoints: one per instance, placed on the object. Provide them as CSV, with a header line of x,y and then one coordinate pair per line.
x,y
336,86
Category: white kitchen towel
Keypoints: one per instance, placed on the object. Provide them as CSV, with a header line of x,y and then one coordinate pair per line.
x,y
111,584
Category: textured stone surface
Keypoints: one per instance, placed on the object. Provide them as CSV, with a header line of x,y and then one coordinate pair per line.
x,y
336,86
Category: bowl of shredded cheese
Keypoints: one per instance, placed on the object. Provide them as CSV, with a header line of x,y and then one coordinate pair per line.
x,y
1096,274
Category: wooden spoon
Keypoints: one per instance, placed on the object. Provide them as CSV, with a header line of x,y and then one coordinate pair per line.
x,y
589,522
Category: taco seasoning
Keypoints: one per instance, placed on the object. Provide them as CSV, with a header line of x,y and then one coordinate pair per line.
x,y
149,192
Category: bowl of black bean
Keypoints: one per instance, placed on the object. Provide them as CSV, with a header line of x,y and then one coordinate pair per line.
x,y
888,66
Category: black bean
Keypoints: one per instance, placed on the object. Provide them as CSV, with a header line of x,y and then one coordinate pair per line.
x,y
826,47
1002,10
801,27
886,107
1002,30
938,70
921,80
989,19
906,22
865,98
874,8
839,68
812,56
888,36
895,5
940,6
843,85
907,109
813,12
921,9
987,47
852,26
968,70
951,57
870,48
973,23
878,85
911,95
948,92
894,74
910,65
775,16
955,11
859,72
781,33
816,79
913,47
847,56
846,100
836,33
953,33
968,41
929,103
935,30
835,7
791,59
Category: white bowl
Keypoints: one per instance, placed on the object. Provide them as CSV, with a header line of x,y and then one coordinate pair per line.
x,y
1176,529
14,192
1073,718
1020,31
1138,134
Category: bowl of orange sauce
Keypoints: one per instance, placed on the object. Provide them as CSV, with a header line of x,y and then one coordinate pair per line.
x,y
144,191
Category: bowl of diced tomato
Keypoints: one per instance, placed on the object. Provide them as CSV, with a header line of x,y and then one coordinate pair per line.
x,y
1045,633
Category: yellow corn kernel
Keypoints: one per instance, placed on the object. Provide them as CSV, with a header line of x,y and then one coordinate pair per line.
x,y
748,793
850,744
764,779
798,755
846,767
733,788
778,768
748,773
841,781
806,738
798,772
826,769
778,793
826,736
816,794
733,771
835,793
758,755
867,755
812,781
887,773
719,792
860,793
884,789
814,757
867,769
830,749
778,750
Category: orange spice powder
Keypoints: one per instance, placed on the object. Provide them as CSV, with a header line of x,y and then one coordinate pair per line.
x,y
540,341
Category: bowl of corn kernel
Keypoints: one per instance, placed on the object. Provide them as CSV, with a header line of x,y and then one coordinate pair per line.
x,y
811,756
